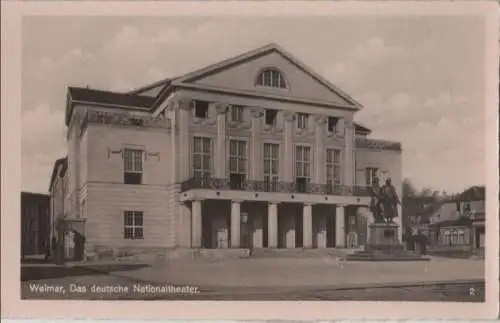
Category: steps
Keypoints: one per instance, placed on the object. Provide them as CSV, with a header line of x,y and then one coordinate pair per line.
x,y
385,253
298,253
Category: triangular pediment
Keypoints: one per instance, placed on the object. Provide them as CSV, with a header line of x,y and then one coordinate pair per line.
x,y
241,73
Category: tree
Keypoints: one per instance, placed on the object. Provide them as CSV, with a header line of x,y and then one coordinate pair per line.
x,y
409,189
426,192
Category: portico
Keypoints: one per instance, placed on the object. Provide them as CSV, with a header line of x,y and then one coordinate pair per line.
x,y
264,223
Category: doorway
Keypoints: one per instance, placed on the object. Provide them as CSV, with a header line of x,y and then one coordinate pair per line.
x,y
330,231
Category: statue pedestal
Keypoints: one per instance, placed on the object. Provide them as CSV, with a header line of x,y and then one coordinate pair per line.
x,y
383,234
384,245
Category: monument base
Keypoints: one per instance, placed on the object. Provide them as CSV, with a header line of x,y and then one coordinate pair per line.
x,y
383,245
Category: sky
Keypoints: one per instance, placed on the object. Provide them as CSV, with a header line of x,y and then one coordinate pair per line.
x,y
420,79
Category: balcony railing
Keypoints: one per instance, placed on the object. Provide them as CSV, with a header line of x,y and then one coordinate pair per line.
x,y
272,187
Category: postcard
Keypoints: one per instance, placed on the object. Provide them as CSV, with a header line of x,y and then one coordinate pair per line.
x,y
250,160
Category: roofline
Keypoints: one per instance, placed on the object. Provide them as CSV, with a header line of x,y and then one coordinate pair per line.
x,y
112,105
179,82
35,194
318,77
199,73
149,86
70,104
264,96
225,63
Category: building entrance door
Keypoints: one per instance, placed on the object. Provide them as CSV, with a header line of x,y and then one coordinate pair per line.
x,y
330,231
246,230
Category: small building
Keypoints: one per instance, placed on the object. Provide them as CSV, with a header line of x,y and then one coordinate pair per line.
x,y
459,223
35,224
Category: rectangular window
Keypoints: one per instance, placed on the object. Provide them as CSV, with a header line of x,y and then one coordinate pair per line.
x,y
270,116
237,113
202,157
332,124
237,163
370,174
302,120
332,169
201,109
302,168
133,168
271,167
133,227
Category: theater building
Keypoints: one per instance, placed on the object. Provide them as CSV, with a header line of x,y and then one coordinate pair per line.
x,y
257,151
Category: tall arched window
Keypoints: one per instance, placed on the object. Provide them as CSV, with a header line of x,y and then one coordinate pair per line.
x,y
272,78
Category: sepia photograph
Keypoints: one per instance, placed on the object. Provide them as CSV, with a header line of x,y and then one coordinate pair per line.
x,y
255,157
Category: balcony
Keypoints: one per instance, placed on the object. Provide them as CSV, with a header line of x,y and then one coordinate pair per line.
x,y
212,183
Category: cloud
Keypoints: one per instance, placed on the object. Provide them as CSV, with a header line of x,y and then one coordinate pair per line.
x,y
352,71
167,36
43,141
441,135
412,91
375,49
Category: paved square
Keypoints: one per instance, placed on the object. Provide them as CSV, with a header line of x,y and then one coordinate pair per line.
x,y
315,272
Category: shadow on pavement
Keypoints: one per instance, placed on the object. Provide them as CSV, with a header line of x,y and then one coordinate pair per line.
x,y
49,272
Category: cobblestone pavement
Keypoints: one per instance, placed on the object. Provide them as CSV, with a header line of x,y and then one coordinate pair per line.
x,y
449,292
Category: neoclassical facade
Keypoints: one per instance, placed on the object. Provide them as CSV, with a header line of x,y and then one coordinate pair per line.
x,y
257,151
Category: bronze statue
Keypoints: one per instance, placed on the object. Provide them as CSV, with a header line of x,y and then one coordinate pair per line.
x,y
390,201
384,201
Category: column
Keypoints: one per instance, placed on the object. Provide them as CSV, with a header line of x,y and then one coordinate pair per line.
x,y
399,221
184,107
196,224
307,226
255,145
340,226
235,224
319,147
349,153
220,145
174,162
272,225
289,117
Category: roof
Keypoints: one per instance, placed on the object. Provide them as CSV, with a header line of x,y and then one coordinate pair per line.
x,y
134,100
142,89
450,223
112,99
474,193
31,195
361,129
59,162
